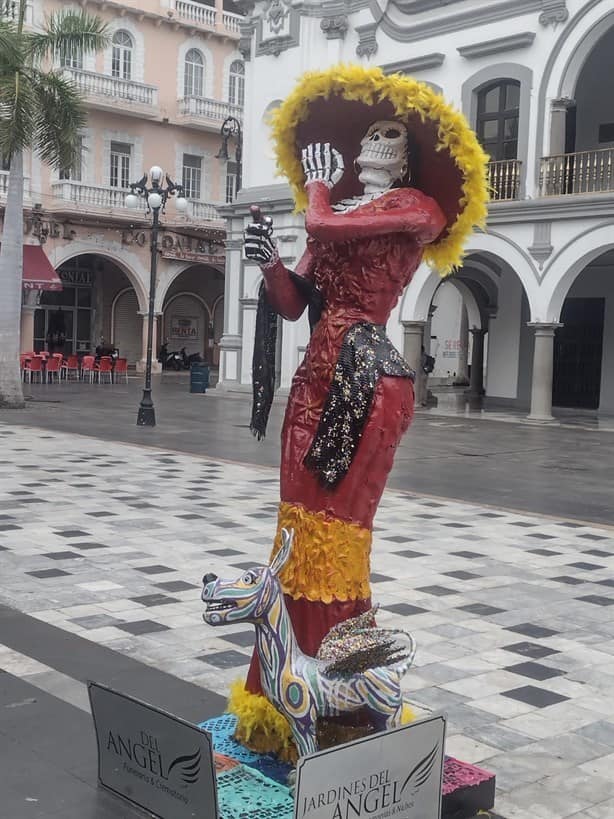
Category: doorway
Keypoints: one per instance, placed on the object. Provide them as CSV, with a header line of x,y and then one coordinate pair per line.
x,y
578,351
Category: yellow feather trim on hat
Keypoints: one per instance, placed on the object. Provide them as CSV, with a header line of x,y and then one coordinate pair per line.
x,y
371,85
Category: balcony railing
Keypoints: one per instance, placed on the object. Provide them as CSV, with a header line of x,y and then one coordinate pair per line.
x,y
196,12
9,10
202,210
4,185
232,22
93,84
504,179
88,196
207,109
582,172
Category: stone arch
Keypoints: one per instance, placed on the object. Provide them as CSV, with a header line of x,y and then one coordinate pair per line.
x,y
171,274
573,259
192,295
127,262
565,63
506,255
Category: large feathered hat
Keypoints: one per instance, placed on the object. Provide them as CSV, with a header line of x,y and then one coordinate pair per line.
x,y
446,160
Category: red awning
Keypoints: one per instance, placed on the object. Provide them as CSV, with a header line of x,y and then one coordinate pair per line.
x,y
38,272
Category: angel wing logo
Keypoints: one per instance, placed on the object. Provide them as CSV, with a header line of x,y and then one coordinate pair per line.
x,y
188,767
421,772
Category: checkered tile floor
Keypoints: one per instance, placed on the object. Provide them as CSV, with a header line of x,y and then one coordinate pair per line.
x,y
513,615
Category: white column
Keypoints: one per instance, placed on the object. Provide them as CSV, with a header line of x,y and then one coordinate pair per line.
x,y
30,303
558,123
462,379
476,383
156,367
249,308
543,358
413,342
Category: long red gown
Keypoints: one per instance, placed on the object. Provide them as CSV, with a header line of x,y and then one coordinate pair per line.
x,y
361,261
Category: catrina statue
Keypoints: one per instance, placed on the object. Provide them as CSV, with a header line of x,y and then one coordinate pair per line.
x,y
388,175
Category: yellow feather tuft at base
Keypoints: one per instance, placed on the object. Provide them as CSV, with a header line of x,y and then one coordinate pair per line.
x,y
260,727
408,715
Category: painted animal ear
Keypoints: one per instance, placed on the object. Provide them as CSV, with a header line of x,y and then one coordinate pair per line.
x,y
281,558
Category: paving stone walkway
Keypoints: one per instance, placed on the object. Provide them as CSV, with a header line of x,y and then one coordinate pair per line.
x,y
513,614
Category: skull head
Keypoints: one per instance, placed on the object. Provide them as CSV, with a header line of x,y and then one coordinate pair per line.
x,y
383,155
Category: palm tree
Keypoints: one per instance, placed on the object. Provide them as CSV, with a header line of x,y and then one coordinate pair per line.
x,y
42,111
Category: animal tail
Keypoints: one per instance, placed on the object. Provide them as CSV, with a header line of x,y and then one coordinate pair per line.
x,y
408,650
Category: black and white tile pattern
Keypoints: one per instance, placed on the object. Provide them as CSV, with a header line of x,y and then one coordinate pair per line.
x,y
515,639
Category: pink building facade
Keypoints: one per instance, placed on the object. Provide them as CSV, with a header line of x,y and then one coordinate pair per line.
x,y
157,95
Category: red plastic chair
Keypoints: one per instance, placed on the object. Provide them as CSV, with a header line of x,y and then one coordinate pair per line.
x,y
44,354
121,368
34,366
52,369
23,360
105,368
71,365
88,367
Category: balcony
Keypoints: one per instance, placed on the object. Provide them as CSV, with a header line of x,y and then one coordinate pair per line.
x,y
203,211
201,112
110,93
504,180
88,197
10,11
4,185
582,172
205,16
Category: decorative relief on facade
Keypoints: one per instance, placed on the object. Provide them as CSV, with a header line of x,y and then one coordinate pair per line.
x,y
367,43
278,28
416,6
554,12
542,248
334,26
276,19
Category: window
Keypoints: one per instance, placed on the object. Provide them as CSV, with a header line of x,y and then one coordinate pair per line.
x,y
192,176
193,81
497,121
236,83
119,176
231,181
121,55
73,58
76,170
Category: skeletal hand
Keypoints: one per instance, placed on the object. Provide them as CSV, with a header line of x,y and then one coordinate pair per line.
x,y
322,163
259,244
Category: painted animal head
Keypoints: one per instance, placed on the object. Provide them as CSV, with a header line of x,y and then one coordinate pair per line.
x,y
249,597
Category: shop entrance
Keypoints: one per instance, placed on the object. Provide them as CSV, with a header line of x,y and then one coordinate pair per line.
x,y
64,321
578,352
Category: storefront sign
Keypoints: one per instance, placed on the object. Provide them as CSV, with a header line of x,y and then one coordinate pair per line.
x,y
45,229
80,277
151,758
206,250
185,328
394,774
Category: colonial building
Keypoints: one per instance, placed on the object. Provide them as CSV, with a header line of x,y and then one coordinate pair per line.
x,y
157,95
534,78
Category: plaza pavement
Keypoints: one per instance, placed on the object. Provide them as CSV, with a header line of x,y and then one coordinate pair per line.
x,y
102,547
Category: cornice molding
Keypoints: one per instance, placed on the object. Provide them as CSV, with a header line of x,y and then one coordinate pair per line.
x,y
414,64
554,13
446,23
416,6
497,46
552,208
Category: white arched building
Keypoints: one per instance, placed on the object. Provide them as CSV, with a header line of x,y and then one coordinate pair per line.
x,y
534,78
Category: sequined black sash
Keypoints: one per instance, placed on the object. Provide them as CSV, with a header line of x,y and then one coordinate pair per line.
x,y
366,354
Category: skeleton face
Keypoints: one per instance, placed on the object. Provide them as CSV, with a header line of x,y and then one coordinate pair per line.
x,y
384,151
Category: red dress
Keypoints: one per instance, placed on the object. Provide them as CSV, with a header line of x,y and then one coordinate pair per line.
x,y
361,261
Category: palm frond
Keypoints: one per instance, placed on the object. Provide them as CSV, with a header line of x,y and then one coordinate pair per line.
x,y
67,33
17,110
59,116
11,48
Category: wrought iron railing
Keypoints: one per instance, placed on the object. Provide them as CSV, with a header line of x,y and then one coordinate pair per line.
x,y
581,172
505,179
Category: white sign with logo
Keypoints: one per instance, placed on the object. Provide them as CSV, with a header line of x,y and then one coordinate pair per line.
x,y
155,760
185,328
395,774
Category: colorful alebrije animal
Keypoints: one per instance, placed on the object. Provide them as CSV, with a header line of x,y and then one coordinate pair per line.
x,y
357,666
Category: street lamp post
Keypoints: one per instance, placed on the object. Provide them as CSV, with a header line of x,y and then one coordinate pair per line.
x,y
231,127
156,197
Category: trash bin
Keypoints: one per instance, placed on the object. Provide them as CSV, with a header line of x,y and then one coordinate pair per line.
x,y
199,377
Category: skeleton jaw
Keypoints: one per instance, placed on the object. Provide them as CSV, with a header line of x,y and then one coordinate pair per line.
x,y
375,180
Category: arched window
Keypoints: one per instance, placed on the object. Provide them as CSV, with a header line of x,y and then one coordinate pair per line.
x,y
121,56
194,74
236,83
497,119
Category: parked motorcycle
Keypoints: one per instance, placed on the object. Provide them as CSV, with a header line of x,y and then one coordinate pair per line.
x,y
170,361
188,360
